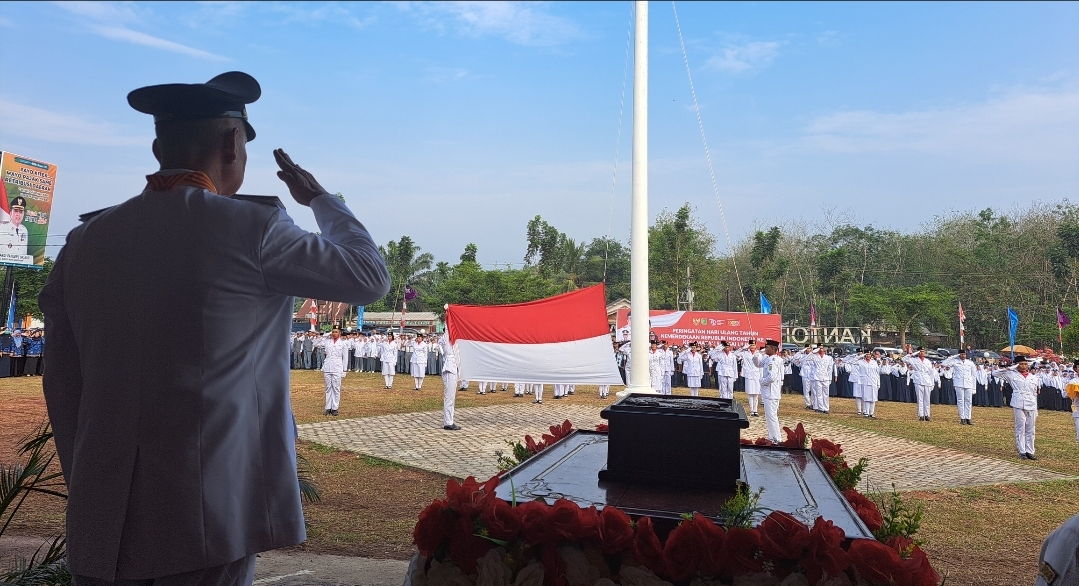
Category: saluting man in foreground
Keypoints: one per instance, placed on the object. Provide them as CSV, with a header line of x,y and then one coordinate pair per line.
x,y
181,468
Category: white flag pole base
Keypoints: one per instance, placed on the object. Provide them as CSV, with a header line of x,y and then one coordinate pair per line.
x,y
643,390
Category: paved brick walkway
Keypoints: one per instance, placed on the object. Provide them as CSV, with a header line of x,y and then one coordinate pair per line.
x,y
418,440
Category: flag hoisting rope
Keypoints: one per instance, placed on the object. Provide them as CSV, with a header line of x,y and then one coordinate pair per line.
x,y
711,172
617,143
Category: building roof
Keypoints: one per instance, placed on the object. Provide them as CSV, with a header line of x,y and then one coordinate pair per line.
x,y
394,317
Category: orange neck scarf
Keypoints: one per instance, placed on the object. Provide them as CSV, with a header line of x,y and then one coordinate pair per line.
x,y
158,182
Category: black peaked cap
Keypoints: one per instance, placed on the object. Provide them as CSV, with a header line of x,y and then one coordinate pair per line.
x,y
224,96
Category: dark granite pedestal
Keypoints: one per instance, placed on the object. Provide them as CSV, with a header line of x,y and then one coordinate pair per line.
x,y
793,480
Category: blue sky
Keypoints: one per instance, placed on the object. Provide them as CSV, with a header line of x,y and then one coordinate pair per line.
x,y
458,122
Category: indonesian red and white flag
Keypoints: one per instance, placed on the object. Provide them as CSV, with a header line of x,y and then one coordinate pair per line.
x,y
564,339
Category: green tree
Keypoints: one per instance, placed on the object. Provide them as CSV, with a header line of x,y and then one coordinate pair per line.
x,y
678,243
28,284
903,308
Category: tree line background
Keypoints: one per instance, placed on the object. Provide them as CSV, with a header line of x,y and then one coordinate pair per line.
x,y
911,282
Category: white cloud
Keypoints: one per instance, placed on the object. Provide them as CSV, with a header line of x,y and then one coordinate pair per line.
x,y
6,23
443,74
119,33
35,123
110,21
741,58
518,22
1031,125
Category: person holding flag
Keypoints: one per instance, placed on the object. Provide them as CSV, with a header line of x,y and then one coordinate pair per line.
x,y
1063,321
962,325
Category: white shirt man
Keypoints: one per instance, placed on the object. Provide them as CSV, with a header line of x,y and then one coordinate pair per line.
x,y
771,366
1025,390
965,380
752,375
726,369
854,378
924,375
449,381
805,372
668,368
823,377
387,354
334,367
693,367
657,365
418,361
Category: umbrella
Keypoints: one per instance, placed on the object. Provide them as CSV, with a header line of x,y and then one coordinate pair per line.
x,y
1020,349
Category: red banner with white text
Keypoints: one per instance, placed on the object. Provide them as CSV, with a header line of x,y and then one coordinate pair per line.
x,y
683,327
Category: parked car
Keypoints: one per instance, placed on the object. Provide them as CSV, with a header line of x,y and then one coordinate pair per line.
x,y
888,350
791,347
946,352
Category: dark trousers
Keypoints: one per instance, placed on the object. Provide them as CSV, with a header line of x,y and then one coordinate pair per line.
x,y
238,573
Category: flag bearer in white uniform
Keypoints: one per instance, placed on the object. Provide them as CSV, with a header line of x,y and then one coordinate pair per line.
x,y
693,367
752,373
823,376
418,362
1025,390
333,367
868,369
449,381
805,371
657,365
726,369
965,379
771,381
387,354
924,375
850,363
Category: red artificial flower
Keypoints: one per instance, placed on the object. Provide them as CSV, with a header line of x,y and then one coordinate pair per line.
x,y
783,537
471,496
745,442
465,547
878,563
587,525
535,527
740,554
715,542
830,467
867,509
533,447
915,561
564,519
558,432
647,549
762,441
795,438
689,547
602,427
501,520
824,553
823,448
615,530
434,527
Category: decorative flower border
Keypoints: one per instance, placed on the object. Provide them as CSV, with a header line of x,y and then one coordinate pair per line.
x,y
472,537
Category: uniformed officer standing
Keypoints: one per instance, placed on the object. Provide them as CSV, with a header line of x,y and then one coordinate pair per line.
x,y
964,377
449,381
182,467
925,378
771,383
387,354
1025,390
726,369
418,361
333,367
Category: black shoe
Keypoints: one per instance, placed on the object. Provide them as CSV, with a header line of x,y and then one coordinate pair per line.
x,y
872,416
921,418
481,393
1031,457
453,427
538,401
334,412
969,422
327,412
809,407
927,418
755,415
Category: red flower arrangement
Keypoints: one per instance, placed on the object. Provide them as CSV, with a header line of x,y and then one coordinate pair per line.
x,y
473,537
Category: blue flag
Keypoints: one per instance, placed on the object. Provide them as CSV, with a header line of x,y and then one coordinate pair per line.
x,y
765,306
11,308
359,317
1013,325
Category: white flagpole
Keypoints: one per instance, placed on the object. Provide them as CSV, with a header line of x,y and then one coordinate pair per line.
x,y
639,237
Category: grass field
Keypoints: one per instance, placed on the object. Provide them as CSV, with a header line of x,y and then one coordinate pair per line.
x,y
980,536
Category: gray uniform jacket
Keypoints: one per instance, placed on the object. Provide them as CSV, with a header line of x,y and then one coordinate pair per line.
x,y
186,458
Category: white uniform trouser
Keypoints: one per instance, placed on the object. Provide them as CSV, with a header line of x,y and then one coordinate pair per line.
x,y
387,372
463,384
771,418
1076,418
449,396
559,390
538,390
963,398
518,390
333,390
820,395
483,387
419,371
922,392
666,382
868,398
726,386
1024,430
753,393
807,391
604,390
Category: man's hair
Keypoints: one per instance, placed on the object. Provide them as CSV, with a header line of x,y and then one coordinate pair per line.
x,y
186,139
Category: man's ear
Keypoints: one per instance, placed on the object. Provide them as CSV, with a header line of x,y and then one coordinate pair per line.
x,y
229,150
